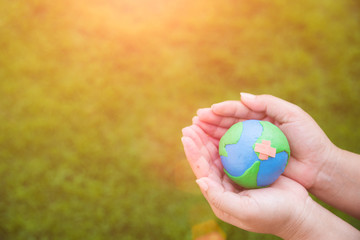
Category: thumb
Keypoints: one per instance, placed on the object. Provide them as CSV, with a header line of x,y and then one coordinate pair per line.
x,y
276,108
233,204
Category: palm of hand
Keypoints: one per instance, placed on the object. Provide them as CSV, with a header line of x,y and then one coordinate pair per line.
x,y
254,210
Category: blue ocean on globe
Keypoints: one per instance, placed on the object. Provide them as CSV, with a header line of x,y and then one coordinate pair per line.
x,y
241,156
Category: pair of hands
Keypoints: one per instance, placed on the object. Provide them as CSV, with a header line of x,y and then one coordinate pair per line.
x,y
281,208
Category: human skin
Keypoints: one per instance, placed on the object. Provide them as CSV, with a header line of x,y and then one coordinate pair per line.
x,y
285,208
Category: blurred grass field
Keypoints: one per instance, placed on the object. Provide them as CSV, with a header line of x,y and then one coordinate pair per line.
x,y
94,95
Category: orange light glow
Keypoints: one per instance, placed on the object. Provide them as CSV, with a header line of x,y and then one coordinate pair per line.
x,y
208,230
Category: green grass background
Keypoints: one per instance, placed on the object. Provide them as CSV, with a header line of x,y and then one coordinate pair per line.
x,y
94,94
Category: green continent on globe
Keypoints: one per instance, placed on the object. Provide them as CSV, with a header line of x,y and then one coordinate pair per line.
x,y
232,136
245,166
278,139
249,177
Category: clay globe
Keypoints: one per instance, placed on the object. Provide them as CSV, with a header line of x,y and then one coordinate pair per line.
x,y
254,153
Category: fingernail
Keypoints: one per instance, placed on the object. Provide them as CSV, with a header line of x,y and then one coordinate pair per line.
x,y
247,96
202,184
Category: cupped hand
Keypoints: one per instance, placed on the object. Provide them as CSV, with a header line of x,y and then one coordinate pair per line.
x,y
309,145
278,209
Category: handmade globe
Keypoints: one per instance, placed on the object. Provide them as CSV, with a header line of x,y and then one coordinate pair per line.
x,y
254,153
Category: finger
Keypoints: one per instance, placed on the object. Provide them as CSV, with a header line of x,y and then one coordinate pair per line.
x,y
189,132
199,148
217,163
201,167
204,142
226,201
197,161
236,109
221,177
208,116
212,130
204,151
192,152
209,142
276,108
212,152
227,217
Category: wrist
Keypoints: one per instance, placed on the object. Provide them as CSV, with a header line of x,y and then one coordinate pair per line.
x,y
337,183
300,226
316,222
324,181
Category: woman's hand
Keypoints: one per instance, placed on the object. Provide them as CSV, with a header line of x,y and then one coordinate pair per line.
x,y
310,147
284,208
316,163
278,209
